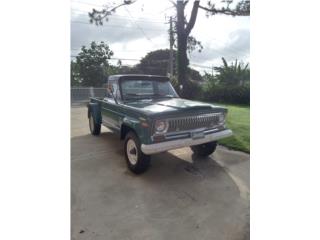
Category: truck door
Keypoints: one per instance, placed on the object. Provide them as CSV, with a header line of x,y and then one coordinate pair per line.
x,y
110,109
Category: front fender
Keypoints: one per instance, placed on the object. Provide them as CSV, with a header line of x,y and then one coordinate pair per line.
x,y
135,125
131,122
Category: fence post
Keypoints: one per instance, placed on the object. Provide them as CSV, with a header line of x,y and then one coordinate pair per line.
x,y
91,92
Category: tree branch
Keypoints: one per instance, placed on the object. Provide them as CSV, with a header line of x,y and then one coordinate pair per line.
x,y
97,16
193,16
173,3
241,9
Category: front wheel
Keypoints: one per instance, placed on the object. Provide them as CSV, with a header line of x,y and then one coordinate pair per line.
x,y
204,150
137,161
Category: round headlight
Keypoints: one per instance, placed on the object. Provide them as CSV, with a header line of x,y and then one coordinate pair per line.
x,y
161,126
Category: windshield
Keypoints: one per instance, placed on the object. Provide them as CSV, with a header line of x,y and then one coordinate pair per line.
x,y
142,89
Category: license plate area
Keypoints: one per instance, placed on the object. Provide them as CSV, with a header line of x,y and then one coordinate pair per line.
x,y
197,135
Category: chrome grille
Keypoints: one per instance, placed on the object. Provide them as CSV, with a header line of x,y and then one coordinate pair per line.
x,y
193,122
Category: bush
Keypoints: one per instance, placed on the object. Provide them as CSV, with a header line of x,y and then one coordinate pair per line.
x,y
191,90
228,94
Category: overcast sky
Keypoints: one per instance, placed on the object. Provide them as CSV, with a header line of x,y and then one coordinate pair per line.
x,y
142,27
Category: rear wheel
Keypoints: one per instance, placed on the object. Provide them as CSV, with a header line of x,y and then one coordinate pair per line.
x,y
95,128
137,161
204,150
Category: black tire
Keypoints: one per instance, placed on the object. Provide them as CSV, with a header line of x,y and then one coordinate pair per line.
x,y
138,162
95,128
204,150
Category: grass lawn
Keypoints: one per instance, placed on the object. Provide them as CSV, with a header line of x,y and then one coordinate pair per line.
x,y
238,120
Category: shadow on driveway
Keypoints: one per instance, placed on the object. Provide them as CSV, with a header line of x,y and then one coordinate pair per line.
x,y
174,199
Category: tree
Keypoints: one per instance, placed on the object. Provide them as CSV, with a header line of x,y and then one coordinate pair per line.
x,y
183,26
235,74
75,76
92,64
157,63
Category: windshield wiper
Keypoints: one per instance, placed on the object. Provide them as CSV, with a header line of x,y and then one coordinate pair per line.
x,y
136,96
131,94
148,96
162,95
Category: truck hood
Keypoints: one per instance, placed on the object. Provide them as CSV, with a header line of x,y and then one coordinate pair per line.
x,y
172,106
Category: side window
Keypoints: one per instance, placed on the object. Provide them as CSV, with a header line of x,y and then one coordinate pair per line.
x,y
116,91
108,95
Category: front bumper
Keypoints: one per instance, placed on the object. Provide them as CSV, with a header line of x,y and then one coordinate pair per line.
x,y
186,142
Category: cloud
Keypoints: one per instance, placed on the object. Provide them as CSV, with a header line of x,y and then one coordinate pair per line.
x,y
133,34
116,30
237,46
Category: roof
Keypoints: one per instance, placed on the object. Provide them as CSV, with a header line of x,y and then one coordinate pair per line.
x,y
116,77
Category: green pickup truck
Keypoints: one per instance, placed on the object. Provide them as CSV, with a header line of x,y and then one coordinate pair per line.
x,y
150,117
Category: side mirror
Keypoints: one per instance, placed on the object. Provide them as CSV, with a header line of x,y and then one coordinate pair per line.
x,y
110,88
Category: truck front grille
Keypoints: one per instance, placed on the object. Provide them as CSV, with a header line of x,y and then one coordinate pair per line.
x,y
193,122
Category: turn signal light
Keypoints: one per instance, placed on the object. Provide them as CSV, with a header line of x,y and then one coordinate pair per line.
x,y
158,138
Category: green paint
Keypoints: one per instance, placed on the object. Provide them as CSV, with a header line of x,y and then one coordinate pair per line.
x,y
132,113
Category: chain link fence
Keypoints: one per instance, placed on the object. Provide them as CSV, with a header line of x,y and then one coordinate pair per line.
x,y
82,94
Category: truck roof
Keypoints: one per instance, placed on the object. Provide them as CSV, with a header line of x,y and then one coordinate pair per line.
x,y
131,76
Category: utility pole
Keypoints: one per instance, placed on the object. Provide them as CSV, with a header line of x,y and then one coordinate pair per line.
x,y
171,48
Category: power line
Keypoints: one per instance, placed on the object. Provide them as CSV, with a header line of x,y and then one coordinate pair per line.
x,y
200,66
102,6
124,51
140,19
224,52
86,3
125,59
114,58
234,50
230,49
117,26
166,9
135,59
112,17
139,27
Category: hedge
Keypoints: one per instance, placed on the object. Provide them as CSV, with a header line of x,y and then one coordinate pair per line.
x,y
227,94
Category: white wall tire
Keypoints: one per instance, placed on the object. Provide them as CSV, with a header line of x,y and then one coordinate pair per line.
x,y
132,152
136,160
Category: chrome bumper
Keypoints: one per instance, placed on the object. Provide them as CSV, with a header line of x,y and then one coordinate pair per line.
x,y
186,142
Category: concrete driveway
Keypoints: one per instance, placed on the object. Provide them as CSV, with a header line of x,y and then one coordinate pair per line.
x,y
179,197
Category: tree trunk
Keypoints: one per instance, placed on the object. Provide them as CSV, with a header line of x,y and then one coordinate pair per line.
x,y
182,35
182,59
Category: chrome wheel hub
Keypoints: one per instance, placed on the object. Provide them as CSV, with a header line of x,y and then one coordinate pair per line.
x,y
132,152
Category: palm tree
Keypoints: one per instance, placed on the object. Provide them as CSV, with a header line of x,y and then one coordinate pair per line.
x,y
236,74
